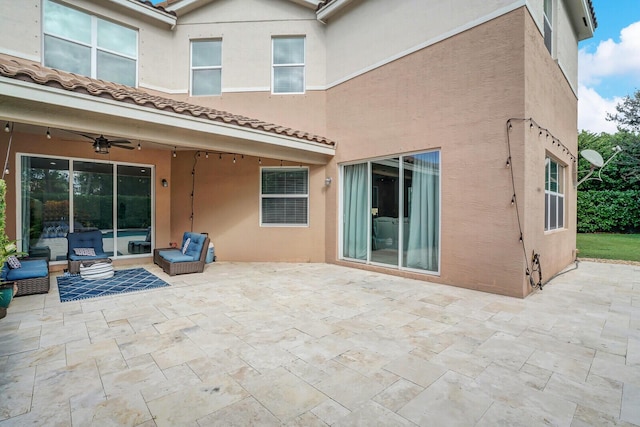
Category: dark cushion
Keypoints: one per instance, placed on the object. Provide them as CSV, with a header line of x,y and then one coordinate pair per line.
x,y
30,270
87,239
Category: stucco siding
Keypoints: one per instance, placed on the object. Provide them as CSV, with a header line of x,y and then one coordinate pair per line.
x,y
455,96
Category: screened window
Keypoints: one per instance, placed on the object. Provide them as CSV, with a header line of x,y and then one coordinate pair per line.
x,y
554,195
284,196
80,43
206,67
288,65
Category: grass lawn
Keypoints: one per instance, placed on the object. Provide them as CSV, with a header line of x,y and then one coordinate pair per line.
x,y
609,246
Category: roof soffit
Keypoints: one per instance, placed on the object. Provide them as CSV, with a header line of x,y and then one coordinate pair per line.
x,y
182,7
148,9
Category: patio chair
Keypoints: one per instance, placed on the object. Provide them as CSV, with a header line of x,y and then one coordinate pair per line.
x,y
141,246
83,247
189,258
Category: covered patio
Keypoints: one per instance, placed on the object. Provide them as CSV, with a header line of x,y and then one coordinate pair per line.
x,y
318,344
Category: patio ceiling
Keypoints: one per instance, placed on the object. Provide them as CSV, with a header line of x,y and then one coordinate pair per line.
x,y
34,95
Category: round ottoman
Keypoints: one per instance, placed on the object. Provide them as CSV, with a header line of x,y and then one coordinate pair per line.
x,y
99,270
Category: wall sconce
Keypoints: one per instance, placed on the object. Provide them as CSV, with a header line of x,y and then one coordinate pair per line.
x,y
165,183
328,181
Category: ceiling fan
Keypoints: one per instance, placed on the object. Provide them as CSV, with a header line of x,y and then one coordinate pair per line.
x,y
101,145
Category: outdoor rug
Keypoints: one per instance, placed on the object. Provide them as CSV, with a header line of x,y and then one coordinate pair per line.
x,y
74,287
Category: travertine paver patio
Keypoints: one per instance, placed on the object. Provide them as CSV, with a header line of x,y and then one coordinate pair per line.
x,y
315,345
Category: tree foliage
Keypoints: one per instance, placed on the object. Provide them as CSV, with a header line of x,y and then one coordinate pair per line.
x,y
611,204
627,114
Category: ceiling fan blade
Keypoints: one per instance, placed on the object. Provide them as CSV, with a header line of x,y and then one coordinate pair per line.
x,y
120,141
117,145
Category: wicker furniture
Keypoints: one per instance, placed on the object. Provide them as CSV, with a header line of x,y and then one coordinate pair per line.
x,y
31,278
85,240
173,261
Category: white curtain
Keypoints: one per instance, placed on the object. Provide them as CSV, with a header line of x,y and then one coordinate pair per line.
x,y
355,211
424,213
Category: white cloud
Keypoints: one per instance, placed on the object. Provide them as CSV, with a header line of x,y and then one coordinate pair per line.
x,y
611,58
593,109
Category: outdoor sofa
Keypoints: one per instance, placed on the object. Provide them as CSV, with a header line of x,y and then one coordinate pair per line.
x,y
82,243
32,277
188,258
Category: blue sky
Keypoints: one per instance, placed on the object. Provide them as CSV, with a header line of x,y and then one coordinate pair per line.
x,y
609,63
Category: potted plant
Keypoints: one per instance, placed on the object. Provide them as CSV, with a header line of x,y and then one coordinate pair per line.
x,y
7,248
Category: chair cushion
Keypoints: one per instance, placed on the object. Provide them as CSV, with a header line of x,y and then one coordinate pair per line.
x,y
87,239
30,270
176,255
194,249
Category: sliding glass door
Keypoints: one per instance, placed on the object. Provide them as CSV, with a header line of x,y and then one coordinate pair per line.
x,y
391,212
62,195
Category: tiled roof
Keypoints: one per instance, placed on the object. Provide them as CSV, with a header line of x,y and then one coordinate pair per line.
x,y
157,6
32,72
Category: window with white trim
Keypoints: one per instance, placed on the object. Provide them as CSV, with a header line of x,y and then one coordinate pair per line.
x,y
288,65
553,195
81,43
206,67
548,25
284,196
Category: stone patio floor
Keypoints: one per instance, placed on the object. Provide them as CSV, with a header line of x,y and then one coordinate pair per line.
x,y
261,344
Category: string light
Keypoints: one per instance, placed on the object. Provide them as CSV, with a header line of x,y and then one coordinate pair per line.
x,y
234,159
48,134
220,156
508,161
139,147
7,128
513,200
206,155
259,161
174,152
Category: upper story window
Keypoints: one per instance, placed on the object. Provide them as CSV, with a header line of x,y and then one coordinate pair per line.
x,y
206,67
284,196
80,43
548,25
288,65
553,195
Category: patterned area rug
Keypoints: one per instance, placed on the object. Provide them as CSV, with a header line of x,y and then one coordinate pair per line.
x,y
73,288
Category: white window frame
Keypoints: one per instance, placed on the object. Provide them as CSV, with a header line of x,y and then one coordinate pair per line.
x,y
94,42
293,64
204,67
558,194
283,196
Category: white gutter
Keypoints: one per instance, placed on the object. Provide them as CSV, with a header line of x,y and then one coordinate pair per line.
x,y
148,11
332,8
122,110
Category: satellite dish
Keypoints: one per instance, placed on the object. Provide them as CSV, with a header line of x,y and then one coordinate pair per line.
x,y
593,157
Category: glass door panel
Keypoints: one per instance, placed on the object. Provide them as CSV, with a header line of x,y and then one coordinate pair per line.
x,y
385,211
45,206
134,210
93,200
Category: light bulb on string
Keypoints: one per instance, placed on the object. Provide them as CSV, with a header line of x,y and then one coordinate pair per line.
x,y
7,128
48,134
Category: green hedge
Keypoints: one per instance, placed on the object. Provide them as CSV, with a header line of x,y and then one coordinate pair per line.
x,y
609,211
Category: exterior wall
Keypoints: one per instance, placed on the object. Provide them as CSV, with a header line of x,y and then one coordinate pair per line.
x,y
428,100
246,28
36,143
565,40
227,206
551,102
380,36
